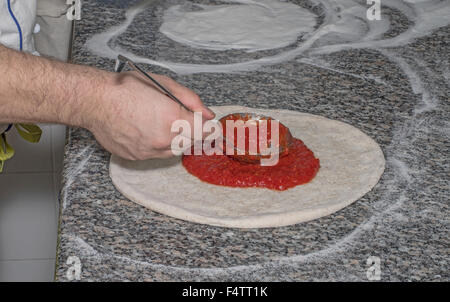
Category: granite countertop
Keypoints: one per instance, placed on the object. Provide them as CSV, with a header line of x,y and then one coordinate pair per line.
x,y
396,92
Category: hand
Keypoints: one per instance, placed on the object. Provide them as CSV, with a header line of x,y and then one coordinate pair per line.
x,y
134,117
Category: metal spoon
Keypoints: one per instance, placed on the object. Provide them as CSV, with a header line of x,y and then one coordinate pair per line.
x,y
255,158
122,61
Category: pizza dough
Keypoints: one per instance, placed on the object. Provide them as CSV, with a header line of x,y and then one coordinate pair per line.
x,y
238,25
351,165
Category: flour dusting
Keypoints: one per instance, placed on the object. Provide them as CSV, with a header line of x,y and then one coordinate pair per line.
x,y
248,25
344,26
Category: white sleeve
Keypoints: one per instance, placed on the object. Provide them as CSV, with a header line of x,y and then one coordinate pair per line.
x,y
15,15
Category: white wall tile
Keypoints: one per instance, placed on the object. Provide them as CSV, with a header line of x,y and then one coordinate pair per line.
x,y
30,157
27,216
58,142
44,156
38,270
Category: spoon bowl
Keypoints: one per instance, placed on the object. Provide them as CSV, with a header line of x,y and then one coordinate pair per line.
x,y
252,152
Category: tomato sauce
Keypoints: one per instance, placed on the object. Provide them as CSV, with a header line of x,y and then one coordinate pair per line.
x,y
297,167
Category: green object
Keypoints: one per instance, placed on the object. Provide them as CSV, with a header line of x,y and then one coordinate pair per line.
x,y
28,132
6,151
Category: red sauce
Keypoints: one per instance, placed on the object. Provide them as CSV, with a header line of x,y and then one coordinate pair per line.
x,y
297,167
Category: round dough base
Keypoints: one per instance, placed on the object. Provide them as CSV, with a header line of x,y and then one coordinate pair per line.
x,y
351,163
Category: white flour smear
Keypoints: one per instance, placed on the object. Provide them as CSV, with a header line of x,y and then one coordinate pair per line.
x,y
256,26
383,209
345,26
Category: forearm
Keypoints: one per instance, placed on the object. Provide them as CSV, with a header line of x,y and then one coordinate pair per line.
x,y
35,89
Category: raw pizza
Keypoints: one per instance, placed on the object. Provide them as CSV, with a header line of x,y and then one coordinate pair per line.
x,y
351,163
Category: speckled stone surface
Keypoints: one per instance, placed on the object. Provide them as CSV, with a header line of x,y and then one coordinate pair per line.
x,y
399,96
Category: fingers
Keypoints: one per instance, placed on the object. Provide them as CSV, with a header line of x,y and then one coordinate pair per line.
x,y
196,124
164,154
187,96
157,154
149,119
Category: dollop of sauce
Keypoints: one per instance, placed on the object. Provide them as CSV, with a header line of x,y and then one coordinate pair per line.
x,y
298,166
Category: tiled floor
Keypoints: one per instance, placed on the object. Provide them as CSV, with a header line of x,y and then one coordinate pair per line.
x,y
29,188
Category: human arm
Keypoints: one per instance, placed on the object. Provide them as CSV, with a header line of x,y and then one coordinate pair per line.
x,y
127,115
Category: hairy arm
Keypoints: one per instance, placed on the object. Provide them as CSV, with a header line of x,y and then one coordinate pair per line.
x,y
128,116
36,89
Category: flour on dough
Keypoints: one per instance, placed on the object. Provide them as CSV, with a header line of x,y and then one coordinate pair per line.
x,y
351,165
246,24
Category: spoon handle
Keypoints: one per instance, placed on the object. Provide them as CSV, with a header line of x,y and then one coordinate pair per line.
x,y
122,61
120,64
